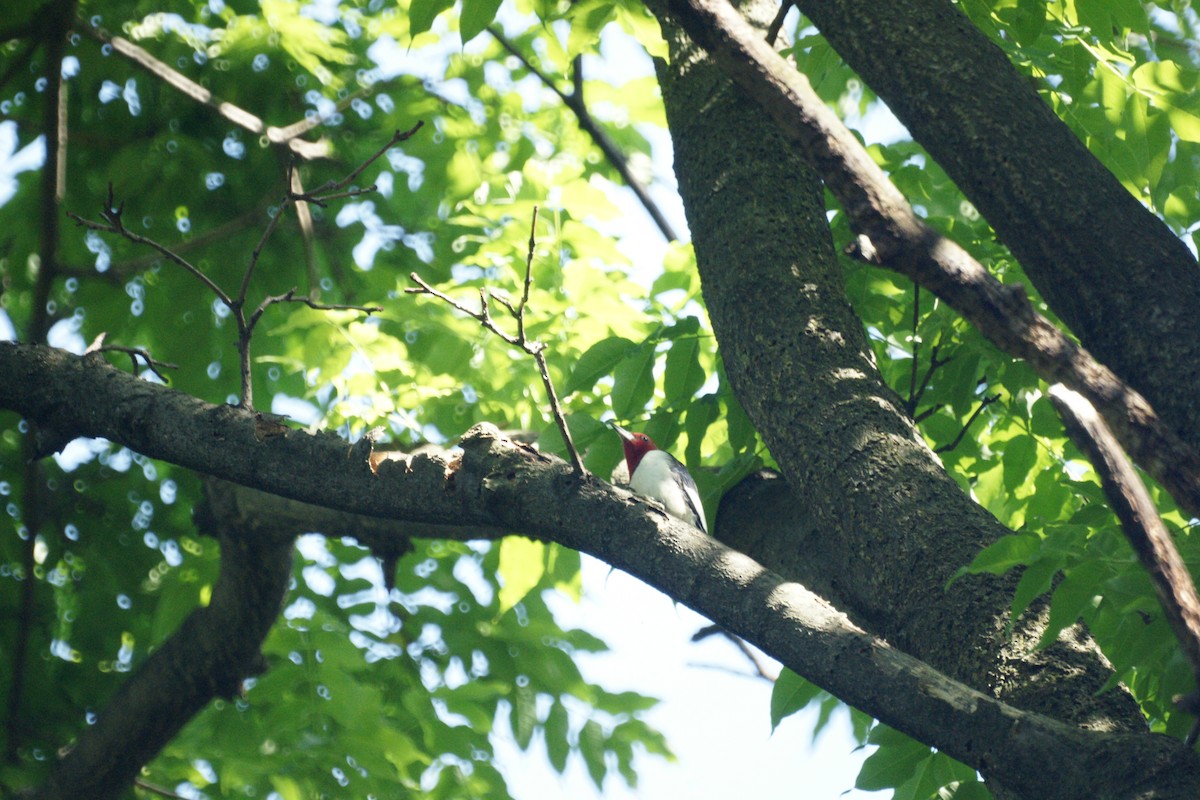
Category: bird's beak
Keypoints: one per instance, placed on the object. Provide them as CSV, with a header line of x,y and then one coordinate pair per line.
x,y
624,434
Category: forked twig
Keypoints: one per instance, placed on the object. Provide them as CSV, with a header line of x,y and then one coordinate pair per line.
x,y
112,215
332,190
531,346
984,403
134,353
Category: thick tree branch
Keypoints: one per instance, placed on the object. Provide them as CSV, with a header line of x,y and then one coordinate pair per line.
x,y
891,234
1110,269
505,486
870,518
209,656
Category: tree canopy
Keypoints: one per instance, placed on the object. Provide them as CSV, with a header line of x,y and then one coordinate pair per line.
x,y
306,297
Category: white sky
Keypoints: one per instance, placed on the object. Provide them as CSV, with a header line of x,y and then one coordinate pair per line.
x,y
717,722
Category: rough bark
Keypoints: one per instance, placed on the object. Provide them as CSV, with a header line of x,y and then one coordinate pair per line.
x,y
888,526
891,235
1109,268
497,484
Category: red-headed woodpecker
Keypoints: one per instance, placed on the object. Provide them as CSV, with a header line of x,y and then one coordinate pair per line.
x,y
658,474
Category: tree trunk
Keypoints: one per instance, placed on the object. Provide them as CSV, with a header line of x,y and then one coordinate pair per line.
x,y
882,527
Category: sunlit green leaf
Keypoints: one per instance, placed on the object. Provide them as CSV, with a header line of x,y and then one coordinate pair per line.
x,y
522,564
476,15
790,694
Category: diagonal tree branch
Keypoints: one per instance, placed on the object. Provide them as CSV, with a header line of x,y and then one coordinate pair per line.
x,y
575,102
892,235
235,114
807,380
1077,231
499,484
1139,519
209,656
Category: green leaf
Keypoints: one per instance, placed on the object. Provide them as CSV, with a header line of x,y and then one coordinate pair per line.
x,y
591,747
790,694
1072,596
585,429
421,14
972,789
700,417
1034,583
1005,553
524,715
684,376
896,761
1020,457
633,382
638,22
476,16
597,361
742,436
557,728
288,789
588,19
522,564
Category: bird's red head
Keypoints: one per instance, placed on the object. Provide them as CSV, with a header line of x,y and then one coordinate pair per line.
x,y
636,446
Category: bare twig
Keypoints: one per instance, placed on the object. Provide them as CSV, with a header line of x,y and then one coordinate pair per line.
x,y
320,194
520,312
916,338
531,346
153,788
118,272
760,668
984,403
311,121
777,23
892,235
307,235
574,101
111,213
291,297
134,354
1139,519
935,363
331,190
